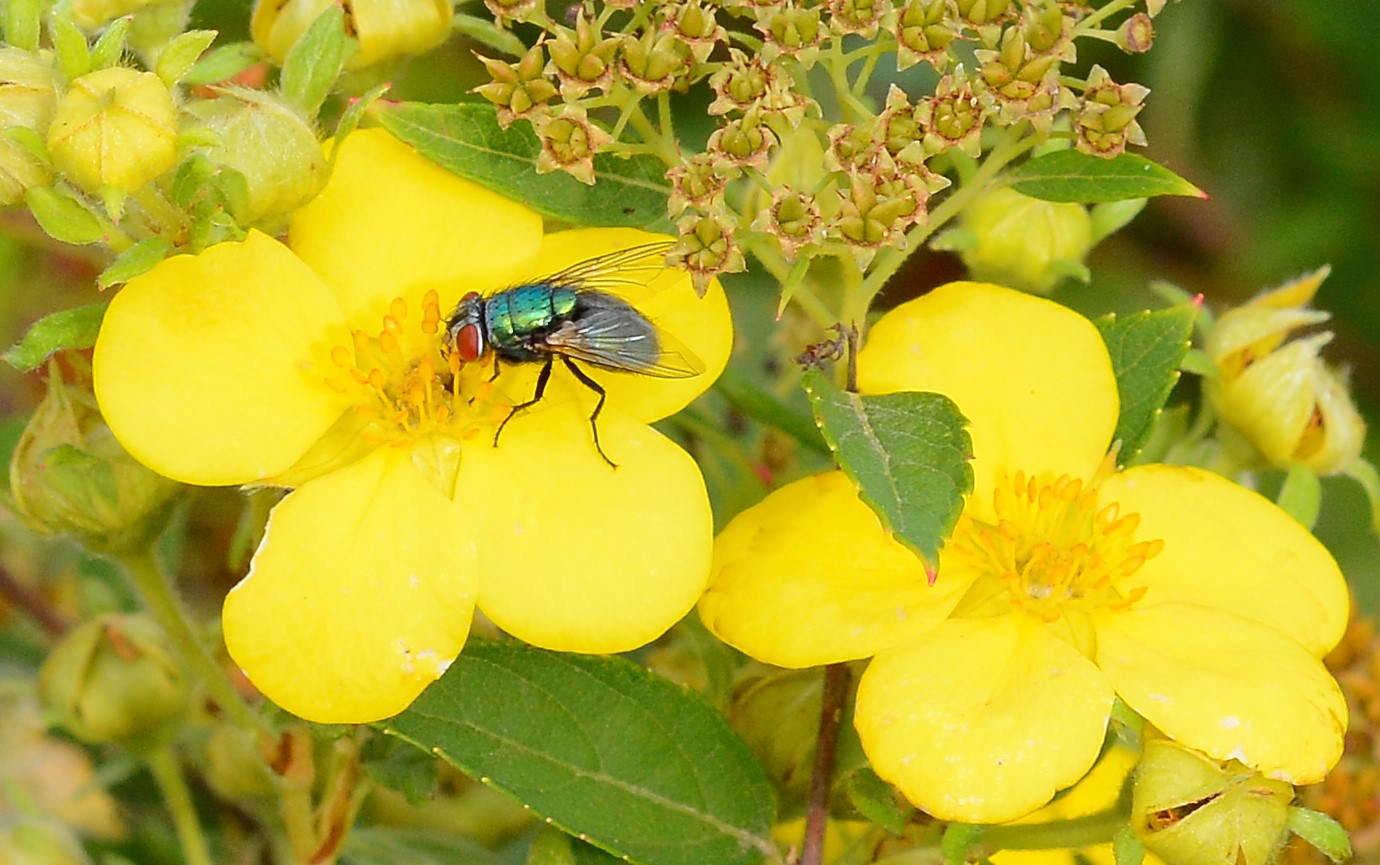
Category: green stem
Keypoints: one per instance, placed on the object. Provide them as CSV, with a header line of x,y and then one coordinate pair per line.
x,y
888,260
1095,18
662,149
167,774
148,578
837,65
1062,834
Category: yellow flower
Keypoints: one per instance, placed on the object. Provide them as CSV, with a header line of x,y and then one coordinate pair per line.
x,y
321,367
385,29
114,127
1201,604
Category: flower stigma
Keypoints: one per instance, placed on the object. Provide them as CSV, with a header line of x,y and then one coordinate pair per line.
x,y
1054,550
408,385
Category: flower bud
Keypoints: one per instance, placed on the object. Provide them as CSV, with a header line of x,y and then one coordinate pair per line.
x,y
39,841
91,15
706,248
28,94
923,32
793,31
695,183
1190,810
270,143
234,765
952,117
651,62
860,17
1279,393
694,24
519,88
68,475
569,142
385,29
114,127
1106,120
582,61
1023,242
113,679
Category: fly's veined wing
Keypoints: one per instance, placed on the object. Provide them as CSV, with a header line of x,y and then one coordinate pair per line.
x,y
608,332
634,266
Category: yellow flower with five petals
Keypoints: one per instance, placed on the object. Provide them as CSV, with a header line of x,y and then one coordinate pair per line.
x,y
319,365
1201,604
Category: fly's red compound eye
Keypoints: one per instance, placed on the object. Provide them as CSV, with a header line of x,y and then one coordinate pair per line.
x,y
468,343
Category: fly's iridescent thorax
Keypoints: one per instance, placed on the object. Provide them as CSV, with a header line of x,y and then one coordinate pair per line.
x,y
519,320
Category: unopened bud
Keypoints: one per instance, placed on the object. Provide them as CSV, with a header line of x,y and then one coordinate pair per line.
x,y
385,29
569,142
651,62
114,127
28,94
1106,120
859,17
1026,243
706,249
1190,810
793,31
68,475
952,117
1278,392
517,89
91,15
745,141
270,143
695,25
113,679
923,32
584,60
234,766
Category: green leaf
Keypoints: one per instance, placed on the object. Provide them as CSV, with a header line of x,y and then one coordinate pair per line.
x,y
906,452
353,113
1301,495
111,45
74,55
1067,175
379,845
1146,349
1126,847
181,55
224,62
466,140
315,61
68,329
876,800
1321,831
22,23
138,259
601,748
63,217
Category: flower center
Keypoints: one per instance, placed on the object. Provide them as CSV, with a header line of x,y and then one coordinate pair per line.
x,y
1053,550
407,386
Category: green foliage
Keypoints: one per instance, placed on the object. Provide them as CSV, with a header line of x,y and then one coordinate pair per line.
x,y
601,748
1147,349
1068,175
69,329
314,63
467,140
907,453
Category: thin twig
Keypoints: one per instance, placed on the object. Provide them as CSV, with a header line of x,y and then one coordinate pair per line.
x,y
821,776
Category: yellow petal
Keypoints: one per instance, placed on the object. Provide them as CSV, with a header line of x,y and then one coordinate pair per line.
x,y
701,326
1032,377
390,223
1228,548
360,595
982,720
810,577
578,556
209,368
1228,686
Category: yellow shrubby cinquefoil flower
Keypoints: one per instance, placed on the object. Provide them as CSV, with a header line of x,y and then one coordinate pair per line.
x,y
1201,604
319,365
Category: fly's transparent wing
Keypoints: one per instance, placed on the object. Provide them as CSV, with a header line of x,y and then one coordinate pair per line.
x,y
636,265
608,332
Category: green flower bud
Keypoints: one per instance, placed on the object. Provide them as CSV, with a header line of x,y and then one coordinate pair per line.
x,y
1190,810
1026,243
90,15
695,183
39,841
742,142
923,33
569,142
234,766
113,679
857,16
115,128
28,94
1106,120
706,248
792,31
270,143
517,89
385,29
1278,393
695,25
952,117
651,62
68,475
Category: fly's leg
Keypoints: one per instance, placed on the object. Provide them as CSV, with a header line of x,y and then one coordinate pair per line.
x,y
542,378
598,407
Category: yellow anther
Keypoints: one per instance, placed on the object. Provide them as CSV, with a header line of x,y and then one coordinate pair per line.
x,y
377,379
1137,593
426,370
337,385
361,341
391,325
358,375
1072,490
1008,529
1154,548
416,395
397,309
388,343
341,356
1130,565
1107,516
442,414
365,410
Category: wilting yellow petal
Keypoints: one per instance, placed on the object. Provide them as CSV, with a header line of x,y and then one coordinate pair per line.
x,y
1228,548
211,368
576,555
1032,377
982,720
360,594
809,577
1227,686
